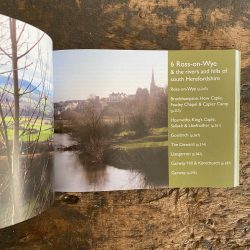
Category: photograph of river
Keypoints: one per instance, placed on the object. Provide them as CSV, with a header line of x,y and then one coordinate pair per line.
x,y
111,120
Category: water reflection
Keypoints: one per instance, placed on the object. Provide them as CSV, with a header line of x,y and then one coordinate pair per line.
x,y
72,176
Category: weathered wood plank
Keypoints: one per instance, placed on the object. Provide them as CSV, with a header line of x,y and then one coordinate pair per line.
x,y
145,24
138,219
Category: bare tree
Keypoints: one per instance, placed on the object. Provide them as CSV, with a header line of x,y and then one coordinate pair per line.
x,y
92,132
139,115
14,59
24,100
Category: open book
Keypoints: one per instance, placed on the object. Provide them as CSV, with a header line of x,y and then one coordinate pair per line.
x,y
101,120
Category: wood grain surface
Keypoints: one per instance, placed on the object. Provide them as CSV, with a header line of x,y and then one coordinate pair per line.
x,y
143,219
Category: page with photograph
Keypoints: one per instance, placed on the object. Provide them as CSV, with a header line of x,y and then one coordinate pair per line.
x,y
136,119
111,120
26,121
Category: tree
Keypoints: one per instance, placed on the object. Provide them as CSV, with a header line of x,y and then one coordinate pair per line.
x,y
139,115
159,111
92,132
24,99
142,94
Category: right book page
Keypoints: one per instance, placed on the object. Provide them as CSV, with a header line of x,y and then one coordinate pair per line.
x,y
203,129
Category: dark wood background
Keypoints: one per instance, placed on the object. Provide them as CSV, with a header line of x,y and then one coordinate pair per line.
x,y
143,219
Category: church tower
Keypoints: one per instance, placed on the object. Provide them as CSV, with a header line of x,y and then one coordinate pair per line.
x,y
152,84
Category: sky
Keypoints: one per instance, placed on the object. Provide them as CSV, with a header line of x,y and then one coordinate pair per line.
x,y
37,58
81,73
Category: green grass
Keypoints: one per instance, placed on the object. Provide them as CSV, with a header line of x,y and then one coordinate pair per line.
x,y
159,131
158,137
133,145
45,134
126,133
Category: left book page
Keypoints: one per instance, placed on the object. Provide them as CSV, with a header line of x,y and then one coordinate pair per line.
x,y
26,119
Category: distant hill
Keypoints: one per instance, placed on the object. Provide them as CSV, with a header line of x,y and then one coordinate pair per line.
x,y
25,100
25,84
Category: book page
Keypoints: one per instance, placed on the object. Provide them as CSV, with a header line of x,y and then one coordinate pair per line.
x,y
26,121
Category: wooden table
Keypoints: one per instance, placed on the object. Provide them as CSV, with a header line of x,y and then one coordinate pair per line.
x,y
143,219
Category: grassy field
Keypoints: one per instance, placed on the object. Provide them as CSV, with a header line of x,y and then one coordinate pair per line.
x,y
45,134
158,137
148,154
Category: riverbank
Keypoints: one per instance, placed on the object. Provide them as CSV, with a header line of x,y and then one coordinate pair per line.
x,y
148,154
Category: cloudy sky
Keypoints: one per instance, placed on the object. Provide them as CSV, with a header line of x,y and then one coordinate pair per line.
x,y
81,73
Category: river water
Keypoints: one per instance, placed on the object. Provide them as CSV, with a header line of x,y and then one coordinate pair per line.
x,y
72,176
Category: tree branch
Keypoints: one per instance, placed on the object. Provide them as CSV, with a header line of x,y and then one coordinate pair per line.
x,y
24,54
